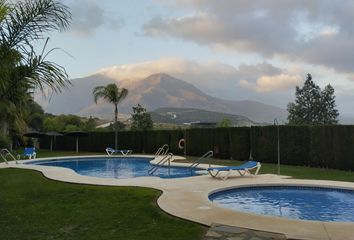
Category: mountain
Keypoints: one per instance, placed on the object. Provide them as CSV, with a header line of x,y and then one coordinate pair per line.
x,y
180,116
156,91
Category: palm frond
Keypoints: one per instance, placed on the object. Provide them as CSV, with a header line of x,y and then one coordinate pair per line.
x,y
98,92
3,10
43,73
111,93
28,21
123,93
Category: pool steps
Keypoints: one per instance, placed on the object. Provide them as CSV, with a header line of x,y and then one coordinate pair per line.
x,y
4,153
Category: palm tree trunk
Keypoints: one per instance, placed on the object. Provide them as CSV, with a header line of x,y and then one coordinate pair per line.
x,y
116,126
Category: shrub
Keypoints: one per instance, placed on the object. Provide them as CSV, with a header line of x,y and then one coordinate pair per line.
x,y
5,141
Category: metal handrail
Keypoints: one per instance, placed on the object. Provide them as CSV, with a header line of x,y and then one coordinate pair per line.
x,y
4,153
162,150
166,158
196,163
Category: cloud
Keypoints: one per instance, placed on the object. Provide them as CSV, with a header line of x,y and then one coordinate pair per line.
x,y
315,32
88,16
272,83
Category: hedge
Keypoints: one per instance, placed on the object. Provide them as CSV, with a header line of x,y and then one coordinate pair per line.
x,y
317,146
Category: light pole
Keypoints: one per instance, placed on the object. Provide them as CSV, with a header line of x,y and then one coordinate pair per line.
x,y
251,157
185,143
277,124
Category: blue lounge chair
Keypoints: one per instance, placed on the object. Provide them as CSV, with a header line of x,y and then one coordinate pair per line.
x,y
30,153
111,151
241,169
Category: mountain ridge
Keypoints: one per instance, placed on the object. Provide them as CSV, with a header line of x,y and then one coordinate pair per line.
x,y
156,91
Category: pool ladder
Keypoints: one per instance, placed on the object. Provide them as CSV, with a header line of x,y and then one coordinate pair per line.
x,y
166,159
162,150
196,163
5,153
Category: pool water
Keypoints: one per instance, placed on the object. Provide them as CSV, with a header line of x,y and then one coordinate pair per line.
x,y
301,203
118,167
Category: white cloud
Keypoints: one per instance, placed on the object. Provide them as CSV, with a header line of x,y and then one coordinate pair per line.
x,y
173,66
272,83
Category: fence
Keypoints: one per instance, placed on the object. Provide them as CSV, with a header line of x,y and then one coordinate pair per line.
x,y
318,146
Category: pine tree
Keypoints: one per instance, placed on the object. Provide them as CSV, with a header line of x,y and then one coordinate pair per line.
x,y
313,106
329,113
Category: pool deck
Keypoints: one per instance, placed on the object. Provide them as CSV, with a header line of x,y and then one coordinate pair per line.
x,y
187,198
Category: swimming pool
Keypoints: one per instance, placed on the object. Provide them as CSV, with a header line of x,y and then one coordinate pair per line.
x,y
294,202
117,167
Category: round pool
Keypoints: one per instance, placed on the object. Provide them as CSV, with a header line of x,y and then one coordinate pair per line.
x,y
117,167
294,202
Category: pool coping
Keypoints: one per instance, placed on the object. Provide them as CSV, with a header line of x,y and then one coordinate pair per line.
x,y
188,198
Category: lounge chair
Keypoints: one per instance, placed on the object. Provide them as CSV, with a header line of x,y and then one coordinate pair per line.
x,y
241,169
111,151
30,153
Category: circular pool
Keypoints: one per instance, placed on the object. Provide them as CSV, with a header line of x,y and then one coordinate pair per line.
x,y
294,202
117,167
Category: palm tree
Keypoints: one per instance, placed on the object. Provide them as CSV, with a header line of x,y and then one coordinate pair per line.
x,y
22,25
111,94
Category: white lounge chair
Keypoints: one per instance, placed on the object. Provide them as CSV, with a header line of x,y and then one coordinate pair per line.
x,y
111,151
241,169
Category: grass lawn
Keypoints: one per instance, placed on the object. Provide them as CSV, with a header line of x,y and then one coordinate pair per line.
x,y
33,207
299,172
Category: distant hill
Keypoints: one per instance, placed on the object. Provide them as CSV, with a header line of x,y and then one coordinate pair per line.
x,y
156,91
181,116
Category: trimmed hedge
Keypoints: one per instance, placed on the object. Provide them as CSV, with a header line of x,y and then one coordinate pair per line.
x,y
317,146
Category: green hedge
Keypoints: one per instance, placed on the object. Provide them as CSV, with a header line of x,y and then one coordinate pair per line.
x,y
318,146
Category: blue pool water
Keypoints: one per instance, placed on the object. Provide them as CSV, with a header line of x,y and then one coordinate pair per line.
x,y
302,203
118,167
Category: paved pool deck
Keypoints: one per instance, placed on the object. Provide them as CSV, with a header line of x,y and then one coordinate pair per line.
x,y
187,198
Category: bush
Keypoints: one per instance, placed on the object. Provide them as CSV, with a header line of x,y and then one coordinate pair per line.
x,y
5,141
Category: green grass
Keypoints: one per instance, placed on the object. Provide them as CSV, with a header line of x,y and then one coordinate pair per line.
x,y
33,207
298,172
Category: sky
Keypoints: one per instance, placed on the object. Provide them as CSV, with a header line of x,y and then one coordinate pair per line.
x,y
240,49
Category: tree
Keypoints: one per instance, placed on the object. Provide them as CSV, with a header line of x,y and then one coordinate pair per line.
x,y
90,124
65,123
329,113
225,123
111,94
3,10
313,106
34,116
141,119
119,125
23,25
